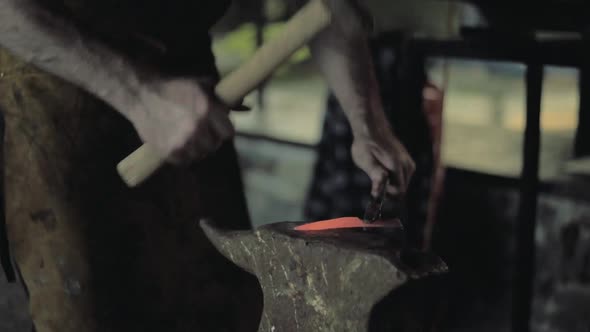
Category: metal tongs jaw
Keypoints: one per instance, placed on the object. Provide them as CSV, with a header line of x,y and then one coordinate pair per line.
x,y
373,210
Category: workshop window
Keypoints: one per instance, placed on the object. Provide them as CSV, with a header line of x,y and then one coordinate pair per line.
x,y
482,101
485,112
559,119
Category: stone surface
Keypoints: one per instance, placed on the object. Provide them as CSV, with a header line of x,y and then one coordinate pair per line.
x,y
562,297
339,280
14,316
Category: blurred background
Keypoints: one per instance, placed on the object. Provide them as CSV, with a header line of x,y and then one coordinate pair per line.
x,y
457,82
484,117
472,206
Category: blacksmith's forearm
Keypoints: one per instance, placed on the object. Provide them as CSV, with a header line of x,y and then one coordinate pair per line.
x,y
347,66
49,42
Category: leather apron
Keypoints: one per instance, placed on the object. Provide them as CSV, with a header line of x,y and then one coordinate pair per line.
x,y
95,255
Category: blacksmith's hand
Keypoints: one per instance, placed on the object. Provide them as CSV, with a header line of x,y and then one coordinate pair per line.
x,y
181,119
380,154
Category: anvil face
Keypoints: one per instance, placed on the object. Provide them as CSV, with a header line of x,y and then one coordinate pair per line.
x,y
329,280
388,239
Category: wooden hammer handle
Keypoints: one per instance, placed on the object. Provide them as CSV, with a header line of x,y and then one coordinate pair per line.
x,y
301,28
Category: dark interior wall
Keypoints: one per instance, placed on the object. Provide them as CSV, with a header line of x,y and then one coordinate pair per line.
x,y
476,237
562,15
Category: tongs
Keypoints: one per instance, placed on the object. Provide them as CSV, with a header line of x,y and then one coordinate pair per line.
x,y
374,209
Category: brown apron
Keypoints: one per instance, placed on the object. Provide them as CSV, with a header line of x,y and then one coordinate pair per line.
x,y
95,255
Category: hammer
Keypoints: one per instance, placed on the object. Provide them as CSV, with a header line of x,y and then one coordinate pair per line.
x,y
298,31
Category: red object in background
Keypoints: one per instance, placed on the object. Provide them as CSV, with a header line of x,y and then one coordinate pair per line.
x,y
433,98
433,109
347,222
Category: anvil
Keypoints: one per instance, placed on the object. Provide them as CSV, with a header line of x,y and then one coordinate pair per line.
x,y
354,279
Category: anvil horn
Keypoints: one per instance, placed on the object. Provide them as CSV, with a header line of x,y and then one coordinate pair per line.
x,y
221,239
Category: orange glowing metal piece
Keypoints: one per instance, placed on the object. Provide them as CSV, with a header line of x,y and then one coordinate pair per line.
x,y
347,222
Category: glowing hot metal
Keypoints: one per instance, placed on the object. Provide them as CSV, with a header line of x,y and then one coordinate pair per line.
x,y
347,222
